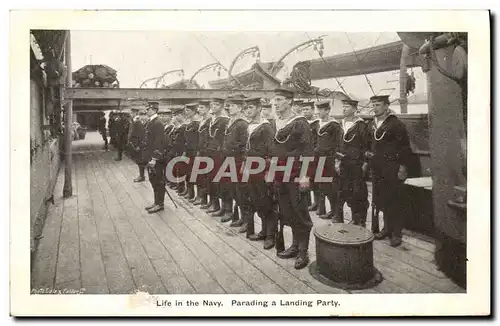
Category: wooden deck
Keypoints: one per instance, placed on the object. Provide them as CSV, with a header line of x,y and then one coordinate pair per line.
x,y
103,240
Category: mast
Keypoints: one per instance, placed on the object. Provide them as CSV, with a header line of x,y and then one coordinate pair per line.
x,y
68,117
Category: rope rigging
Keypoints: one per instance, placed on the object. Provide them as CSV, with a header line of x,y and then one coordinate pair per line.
x,y
213,57
357,59
320,52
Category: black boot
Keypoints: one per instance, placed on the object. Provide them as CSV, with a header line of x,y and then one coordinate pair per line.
x,y
337,209
395,241
228,211
220,212
303,257
269,222
259,236
235,217
210,204
197,198
327,216
293,250
236,213
181,187
359,216
202,197
184,191
215,206
247,224
141,177
384,233
190,192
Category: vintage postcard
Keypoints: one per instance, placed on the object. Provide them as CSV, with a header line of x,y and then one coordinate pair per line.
x,y
250,163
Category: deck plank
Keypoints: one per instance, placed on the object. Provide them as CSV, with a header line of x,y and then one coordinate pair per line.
x,y
254,252
172,277
402,280
118,273
440,284
234,256
217,267
279,276
45,260
187,262
68,261
92,267
221,272
145,276
153,246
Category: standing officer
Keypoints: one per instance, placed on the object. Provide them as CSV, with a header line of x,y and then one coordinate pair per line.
x,y
293,140
135,139
260,141
168,127
217,127
178,145
390,157
329,136
191,145
121,127
352,166
102,129
155,157
202,181
319,201
235,141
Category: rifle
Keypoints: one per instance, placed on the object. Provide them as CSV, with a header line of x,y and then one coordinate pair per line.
x,y
375,210
278,236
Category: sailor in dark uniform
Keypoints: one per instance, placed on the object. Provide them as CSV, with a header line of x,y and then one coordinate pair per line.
x,y
102,129
293,139
260,142
235,142
267,113
217,127
202,182
168,127
122,127
135,139
352,166
178,146
319,200
390,157
297,106
191,146
155,156
111,127
329,135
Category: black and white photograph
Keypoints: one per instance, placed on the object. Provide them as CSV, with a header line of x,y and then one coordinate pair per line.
x,y
298,168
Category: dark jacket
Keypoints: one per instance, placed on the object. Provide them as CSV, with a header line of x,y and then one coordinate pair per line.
x,y
235,139
191,138
154,140
216,135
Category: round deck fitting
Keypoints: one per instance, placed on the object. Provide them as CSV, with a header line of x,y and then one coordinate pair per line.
x,y
344,254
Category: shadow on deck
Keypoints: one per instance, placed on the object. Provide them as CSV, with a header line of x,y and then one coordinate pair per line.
x,y
102,240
